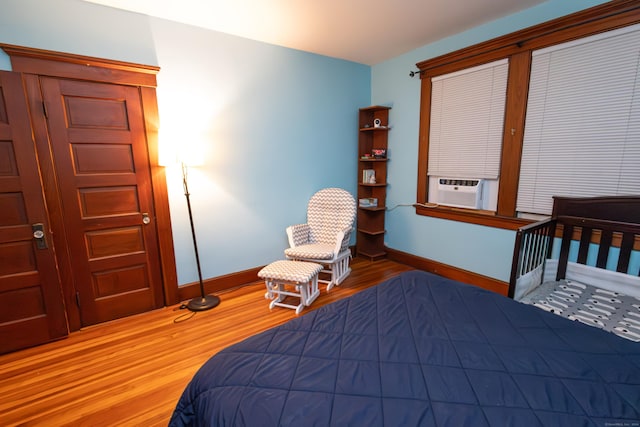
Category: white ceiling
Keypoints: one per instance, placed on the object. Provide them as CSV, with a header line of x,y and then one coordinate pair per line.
x,y
364,31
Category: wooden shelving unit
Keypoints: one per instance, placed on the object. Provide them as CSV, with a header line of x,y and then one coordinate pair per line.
x,y
373,129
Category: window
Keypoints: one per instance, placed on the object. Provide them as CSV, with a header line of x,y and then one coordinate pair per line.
x,y
467,113
582,131
542,124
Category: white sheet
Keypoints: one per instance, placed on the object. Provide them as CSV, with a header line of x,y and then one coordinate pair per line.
x,y
601,308
604,279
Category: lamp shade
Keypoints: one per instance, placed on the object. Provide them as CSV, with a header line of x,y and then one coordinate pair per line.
x,y
176,151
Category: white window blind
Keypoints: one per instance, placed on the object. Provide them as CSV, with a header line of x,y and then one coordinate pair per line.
x,y
582,131
467,117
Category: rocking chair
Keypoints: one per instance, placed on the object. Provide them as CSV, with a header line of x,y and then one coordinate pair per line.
x,y
324,239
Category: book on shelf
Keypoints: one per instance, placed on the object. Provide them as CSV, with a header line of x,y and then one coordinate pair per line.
x,y
369,202
368,176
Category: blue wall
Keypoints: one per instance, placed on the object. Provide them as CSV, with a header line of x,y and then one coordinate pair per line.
x,y
280,125
277,124
480,249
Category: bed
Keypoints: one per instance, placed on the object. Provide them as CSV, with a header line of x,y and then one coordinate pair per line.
x,y
420,350
583,263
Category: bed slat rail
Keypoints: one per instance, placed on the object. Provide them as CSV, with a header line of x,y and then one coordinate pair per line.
x,y
588,229
626,246
565,246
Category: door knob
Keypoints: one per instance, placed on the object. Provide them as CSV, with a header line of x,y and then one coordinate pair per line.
x,y
145,218
38,234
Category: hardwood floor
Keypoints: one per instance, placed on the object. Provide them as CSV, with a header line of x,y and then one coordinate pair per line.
x,y
131,372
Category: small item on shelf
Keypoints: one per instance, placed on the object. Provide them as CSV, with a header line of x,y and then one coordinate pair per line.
x,y
368,176
367,156
369,202
377,123
379,153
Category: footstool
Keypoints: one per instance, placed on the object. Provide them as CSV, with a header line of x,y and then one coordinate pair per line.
x,y
302,276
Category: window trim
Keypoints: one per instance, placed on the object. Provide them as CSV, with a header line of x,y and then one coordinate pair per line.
x,y
517,47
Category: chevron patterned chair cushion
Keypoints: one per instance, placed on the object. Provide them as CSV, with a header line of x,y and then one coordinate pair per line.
x,y
329,211
313,250
291,271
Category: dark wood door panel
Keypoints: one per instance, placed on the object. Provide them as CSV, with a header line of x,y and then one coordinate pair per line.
x,y
7,156
89,110
28,332
31,304
108,201
121,262
114,242
125,279
101,160
18,258
12,206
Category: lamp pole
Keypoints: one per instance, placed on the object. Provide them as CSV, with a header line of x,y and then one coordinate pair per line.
x,y
203,302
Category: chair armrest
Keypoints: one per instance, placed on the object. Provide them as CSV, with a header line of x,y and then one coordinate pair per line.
x,y
298,234
343,238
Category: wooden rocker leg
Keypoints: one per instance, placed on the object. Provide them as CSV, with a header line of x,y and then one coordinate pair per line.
x,y
281,276
274,290
279,293
339,271
312,290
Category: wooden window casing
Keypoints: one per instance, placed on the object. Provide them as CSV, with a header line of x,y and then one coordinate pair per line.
x,y
517,47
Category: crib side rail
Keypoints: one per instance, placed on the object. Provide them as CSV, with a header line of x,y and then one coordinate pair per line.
x,y
533,245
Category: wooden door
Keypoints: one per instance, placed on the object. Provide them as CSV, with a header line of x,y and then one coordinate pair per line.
x,y
100,157
31,303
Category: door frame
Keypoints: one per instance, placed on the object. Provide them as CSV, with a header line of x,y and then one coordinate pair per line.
x,y
33,63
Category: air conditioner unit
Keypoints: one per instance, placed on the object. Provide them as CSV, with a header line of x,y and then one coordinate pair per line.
x,y
461,193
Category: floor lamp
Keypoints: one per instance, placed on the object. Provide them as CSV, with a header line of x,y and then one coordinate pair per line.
x,y
204,301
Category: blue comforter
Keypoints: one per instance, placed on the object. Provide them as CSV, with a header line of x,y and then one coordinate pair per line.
x,y
420,350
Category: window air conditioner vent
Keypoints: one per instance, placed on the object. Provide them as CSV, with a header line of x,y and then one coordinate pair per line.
x,y
461,193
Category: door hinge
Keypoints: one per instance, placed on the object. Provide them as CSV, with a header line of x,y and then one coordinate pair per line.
x,y
78,299
44,110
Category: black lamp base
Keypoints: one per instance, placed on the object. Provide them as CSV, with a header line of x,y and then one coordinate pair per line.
x,y
203,303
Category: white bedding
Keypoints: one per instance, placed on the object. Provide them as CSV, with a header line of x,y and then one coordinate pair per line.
x,y
602,308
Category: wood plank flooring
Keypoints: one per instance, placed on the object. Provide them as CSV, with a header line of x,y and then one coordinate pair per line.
x,y
131,372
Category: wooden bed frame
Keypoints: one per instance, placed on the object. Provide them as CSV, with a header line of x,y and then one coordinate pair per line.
x,y
606,221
